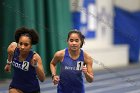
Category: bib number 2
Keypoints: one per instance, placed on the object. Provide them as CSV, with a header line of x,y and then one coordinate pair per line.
x,y
25,66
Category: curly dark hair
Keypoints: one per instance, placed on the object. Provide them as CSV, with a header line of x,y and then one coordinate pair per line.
x,y
81,36
24,31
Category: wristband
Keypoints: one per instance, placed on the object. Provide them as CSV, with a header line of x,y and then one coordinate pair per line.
x,y
35,65
53,75
9,62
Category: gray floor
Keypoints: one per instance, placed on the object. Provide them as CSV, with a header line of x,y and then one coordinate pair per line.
x,y
119,80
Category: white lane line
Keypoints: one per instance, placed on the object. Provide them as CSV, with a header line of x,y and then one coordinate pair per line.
x,y
117,74
134,91
118,86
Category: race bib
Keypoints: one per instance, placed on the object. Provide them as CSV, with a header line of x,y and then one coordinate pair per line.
x,y
25,66
79,65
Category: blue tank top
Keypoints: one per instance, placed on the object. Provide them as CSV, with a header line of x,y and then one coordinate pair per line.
x,y
24,75
71,78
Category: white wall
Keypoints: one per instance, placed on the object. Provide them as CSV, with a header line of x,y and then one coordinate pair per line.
x,y
131,5
102,50
101,47
104,30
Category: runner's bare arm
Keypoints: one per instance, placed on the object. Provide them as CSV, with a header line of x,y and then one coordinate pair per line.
x,y
88,71
37,63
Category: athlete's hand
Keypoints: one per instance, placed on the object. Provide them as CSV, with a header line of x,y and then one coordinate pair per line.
x,y
55,79
84,69
34,63
7,68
